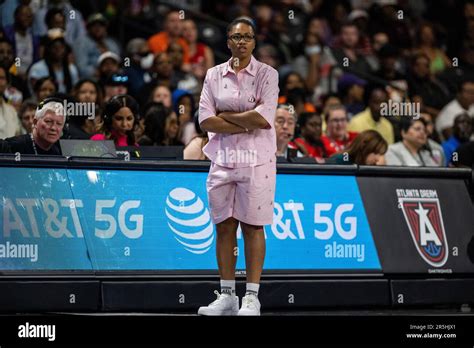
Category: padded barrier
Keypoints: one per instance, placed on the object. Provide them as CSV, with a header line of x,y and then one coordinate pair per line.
x,y
49,296
275,294
399,283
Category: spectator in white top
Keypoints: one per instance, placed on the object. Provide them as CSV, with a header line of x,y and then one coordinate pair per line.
x,y
9,123
55,63
464,102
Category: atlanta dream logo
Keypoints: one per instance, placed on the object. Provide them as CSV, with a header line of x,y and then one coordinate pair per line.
x,y
424,219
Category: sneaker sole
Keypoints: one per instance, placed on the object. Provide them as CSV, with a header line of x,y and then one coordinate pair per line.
x,y
248,314
214,314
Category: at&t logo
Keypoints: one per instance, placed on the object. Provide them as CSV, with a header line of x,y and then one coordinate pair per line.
x,y
189,220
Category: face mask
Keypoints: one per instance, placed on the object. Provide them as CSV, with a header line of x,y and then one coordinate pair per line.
x,y
147,61
13,95
310,50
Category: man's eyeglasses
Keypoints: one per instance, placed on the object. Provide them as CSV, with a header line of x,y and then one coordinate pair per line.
x,y
281,122
338,120
237,37
51,123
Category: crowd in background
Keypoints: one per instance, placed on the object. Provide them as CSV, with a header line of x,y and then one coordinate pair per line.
x,y
345,67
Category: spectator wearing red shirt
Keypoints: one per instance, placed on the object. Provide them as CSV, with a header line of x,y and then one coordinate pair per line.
x,y
337,137
310,143
201,57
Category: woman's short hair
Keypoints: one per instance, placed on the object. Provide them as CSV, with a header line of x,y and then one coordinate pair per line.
x,y
244,20
407,122
332,108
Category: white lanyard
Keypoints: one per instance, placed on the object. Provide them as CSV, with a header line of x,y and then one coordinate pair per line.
x,y
33,141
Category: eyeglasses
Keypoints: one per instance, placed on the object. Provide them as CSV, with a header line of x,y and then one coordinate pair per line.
x,y
338,120
51,123
281,122
418,128
237,37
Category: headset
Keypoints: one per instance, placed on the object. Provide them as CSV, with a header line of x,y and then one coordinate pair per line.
x,y
49,100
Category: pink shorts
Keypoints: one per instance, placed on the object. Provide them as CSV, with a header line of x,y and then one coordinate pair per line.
x,y
246,194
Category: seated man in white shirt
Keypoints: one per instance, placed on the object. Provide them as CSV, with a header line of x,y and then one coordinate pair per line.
x,y
464,102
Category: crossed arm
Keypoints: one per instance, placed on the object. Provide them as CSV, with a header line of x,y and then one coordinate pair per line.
x,y
232,122
238,122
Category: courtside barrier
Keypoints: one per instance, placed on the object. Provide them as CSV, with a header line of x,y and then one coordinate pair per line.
x,y
140,231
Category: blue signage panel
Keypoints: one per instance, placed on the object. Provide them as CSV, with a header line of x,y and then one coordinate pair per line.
x,y
40,225
143,220
319,222
146,220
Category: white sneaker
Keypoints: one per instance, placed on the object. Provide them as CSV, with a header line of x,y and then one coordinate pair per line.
x,y
250,305
225,304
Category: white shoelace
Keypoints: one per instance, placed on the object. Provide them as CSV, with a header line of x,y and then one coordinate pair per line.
x,y
219,298
248,301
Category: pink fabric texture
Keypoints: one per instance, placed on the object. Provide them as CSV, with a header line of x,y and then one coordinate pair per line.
x,y
242,177
254,88
246,193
